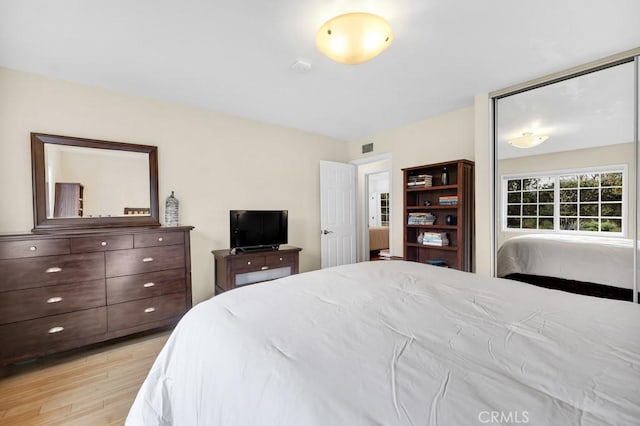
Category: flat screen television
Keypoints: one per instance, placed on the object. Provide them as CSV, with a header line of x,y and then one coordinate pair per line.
x,y
258,229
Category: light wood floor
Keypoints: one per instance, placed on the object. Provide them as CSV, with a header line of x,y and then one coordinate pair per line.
x,y
90,387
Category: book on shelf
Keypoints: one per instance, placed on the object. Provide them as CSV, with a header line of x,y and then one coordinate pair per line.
x,y
420,181
448,200
421,218
435,239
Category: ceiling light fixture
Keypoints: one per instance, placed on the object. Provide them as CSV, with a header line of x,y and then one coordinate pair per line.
x,y
354,38
528,140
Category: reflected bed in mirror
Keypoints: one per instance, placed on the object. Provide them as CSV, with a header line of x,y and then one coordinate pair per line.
x,y
566,206
87,183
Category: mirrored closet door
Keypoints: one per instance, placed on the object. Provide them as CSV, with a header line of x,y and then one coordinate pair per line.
x,y
565,181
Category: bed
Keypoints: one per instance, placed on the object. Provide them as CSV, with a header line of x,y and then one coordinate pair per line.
x,y
597,266
397,343
378,238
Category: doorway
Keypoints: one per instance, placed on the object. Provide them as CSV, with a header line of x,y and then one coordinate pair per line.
x,y
377,210
356,249
375,200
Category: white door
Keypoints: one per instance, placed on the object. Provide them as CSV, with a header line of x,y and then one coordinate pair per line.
x,y
337,213
374,209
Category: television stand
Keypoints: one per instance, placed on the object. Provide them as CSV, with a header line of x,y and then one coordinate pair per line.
x,y
251,267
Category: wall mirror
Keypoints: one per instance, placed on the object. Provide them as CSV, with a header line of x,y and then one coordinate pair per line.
x,y
85,183
565,182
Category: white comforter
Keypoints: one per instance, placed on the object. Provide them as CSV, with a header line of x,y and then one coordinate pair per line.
x,y
597,260
397,343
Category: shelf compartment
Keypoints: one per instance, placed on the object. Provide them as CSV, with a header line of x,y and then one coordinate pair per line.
x,y
434,226
430,188
437,207
427,246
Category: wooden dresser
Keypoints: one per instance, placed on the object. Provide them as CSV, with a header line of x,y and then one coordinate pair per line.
x,y
65,290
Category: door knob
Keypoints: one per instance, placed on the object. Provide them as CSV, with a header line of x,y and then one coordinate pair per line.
x,y
325,232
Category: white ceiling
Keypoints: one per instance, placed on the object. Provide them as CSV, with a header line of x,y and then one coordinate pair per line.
x,y
235,57
588,111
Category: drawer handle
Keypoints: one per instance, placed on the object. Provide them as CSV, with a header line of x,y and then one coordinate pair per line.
x,y
160,239
147,285
54,299
54,330
148,259
103,244
264,268
149,310
33,248
249,263
280,259
53,270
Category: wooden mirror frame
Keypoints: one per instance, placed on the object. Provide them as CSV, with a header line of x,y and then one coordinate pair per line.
x,y
40,219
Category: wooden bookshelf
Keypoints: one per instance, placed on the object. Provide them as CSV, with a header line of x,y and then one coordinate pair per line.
x,y
458,253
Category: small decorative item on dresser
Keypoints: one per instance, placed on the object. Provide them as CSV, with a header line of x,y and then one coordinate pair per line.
x,y
445,176
171,211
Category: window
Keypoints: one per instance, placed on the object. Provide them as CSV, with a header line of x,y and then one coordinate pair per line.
x,y
384,209
566,201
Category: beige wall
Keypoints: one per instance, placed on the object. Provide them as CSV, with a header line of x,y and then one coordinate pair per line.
x,y
484,192
444,138
213,162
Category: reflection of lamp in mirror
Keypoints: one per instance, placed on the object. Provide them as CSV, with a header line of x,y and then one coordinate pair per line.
x,y
528,140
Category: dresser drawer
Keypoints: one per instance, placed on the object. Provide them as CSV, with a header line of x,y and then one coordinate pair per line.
x,y
254,263
281,260
132,314
154,239
103,243
20,305
40,271
33,248
140,286
40,336
137,261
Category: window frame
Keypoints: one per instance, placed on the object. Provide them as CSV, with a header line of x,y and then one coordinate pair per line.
x,y
384,208
555,175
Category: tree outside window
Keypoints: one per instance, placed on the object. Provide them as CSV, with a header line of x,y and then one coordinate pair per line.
x,y
588,201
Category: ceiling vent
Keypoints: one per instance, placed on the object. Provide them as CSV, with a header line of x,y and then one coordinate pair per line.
x,y
368,147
